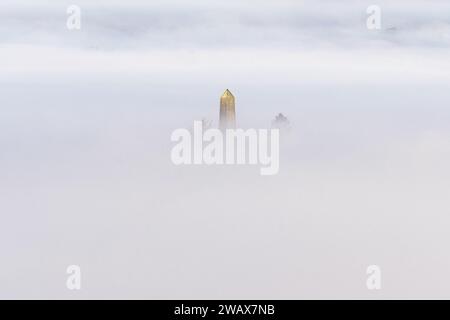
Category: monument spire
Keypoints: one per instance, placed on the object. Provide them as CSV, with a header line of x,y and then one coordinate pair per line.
x,y
227,111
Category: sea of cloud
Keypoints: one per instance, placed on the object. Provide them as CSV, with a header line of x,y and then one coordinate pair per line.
x,y
85,170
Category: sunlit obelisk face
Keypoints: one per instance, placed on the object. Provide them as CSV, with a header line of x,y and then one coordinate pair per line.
x,y
227,111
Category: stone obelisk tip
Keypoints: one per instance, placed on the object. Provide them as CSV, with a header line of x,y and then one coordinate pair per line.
x,y
227,111
227,93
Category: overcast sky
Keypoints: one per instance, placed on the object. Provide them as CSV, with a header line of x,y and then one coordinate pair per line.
x,y
169,37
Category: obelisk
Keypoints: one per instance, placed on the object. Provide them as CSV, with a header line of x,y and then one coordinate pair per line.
x,y
227,111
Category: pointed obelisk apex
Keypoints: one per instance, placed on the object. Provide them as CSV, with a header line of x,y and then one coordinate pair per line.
x,y
227,111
